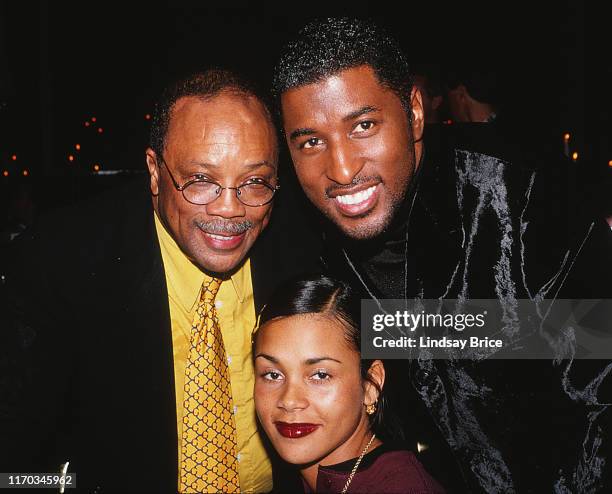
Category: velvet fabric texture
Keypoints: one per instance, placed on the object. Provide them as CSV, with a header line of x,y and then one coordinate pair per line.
x,y
468,229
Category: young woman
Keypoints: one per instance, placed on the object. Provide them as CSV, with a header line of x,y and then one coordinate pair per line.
x,y
319,403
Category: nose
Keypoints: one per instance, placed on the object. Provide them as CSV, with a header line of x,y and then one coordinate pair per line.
x,y
226,205
292,397
344,164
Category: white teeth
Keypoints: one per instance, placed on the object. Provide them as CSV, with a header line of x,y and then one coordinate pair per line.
x,y
358,197
218,237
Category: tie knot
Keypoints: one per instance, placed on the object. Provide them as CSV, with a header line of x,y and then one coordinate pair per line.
x,y
210,288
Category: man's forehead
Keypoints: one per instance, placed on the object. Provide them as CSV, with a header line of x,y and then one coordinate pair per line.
x,y
349,76
218,122
341,93
225,105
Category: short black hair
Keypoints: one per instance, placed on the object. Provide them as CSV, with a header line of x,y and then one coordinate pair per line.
x,y
205,85
320,294
328,46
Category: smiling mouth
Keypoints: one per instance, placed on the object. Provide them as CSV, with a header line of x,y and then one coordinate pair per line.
x,y
223,242
357,203
220,237
295,430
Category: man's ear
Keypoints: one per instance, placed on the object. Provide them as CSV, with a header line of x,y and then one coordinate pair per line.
x,y
153,167
418,115
375,382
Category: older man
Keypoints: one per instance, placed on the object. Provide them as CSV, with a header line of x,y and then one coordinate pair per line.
x,y
407,221
129,319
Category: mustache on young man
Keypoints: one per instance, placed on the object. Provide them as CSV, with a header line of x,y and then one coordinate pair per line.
x,y
225,227
372,179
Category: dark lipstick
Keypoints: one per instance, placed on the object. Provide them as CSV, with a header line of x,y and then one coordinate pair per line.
x,y
295,430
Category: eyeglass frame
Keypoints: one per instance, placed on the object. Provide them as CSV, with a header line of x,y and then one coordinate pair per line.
x,y
181,188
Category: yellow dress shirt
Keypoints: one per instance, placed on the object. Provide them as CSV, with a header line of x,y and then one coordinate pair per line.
x,y
236,311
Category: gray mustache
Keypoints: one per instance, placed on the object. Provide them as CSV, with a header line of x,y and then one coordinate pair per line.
x,y
225,227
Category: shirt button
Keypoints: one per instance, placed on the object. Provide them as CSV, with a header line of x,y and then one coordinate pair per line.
x,y
238,457
218,304
229,359
235,409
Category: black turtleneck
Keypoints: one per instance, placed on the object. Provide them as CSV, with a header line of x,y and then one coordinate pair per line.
x,y
392,264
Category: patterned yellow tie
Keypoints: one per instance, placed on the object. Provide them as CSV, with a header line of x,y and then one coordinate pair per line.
x,y
209,448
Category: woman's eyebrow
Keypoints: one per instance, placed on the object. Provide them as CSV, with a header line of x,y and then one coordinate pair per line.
x,y
316,360
267,357
310,361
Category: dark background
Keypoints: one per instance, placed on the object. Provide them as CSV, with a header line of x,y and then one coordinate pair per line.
x,y
61,65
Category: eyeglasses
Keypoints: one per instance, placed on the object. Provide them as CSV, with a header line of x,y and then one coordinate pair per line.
x,y
200,191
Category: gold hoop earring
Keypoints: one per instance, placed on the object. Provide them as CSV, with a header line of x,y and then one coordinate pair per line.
x,y
371,408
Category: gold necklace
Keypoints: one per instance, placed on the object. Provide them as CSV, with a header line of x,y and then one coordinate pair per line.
x,y
365,450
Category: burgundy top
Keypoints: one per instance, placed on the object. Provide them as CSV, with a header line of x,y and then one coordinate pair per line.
x,y
382,471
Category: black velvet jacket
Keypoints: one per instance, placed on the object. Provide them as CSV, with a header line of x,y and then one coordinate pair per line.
x,y
473,226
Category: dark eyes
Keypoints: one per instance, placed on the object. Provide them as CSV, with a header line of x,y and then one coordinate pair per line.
x,y
272,375
277,376
249,181
360,128
321,375
310,143
256,183
363,126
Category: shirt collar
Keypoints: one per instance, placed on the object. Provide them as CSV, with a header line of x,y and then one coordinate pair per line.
x,y
184,276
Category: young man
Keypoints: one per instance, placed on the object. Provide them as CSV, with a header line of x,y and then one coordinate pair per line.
x,y
408,221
